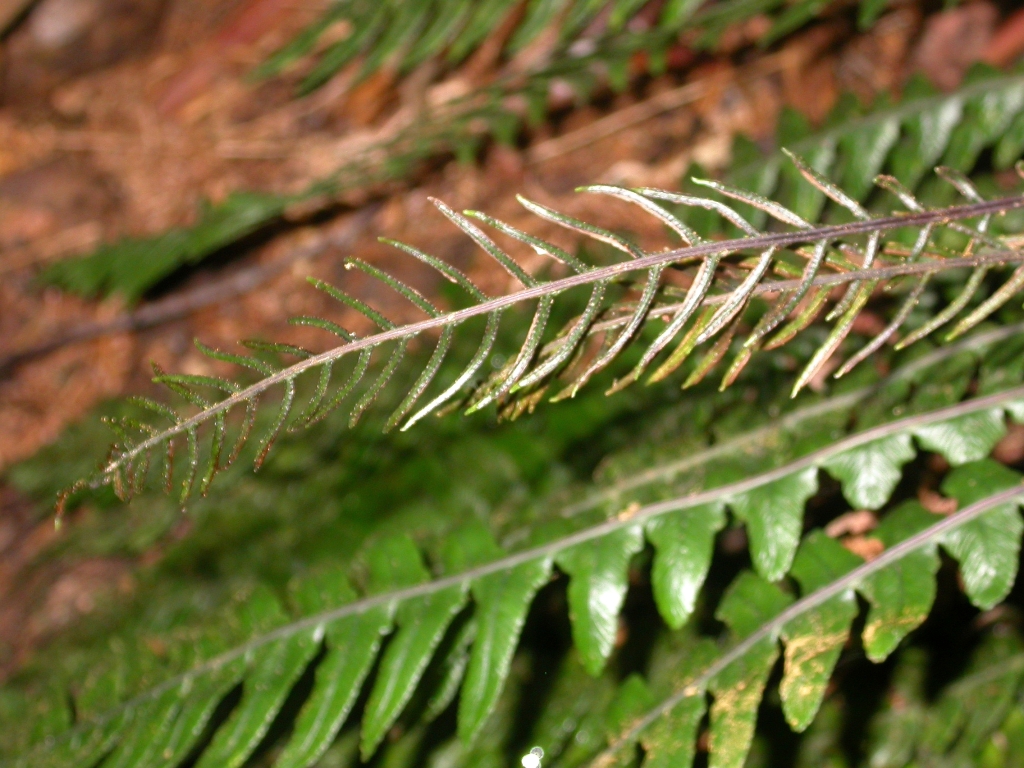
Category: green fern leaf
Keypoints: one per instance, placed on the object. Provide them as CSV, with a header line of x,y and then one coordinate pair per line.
x,y
197,708
869,473
738,688
988,548
267,685
502,600
90,745
147,729
773,514
683,543
900,596
814,640
421,623
450,669
964,439
353,643
597,589
671,741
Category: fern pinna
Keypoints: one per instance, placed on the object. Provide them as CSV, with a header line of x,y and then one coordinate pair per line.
x,y
389,37
907,137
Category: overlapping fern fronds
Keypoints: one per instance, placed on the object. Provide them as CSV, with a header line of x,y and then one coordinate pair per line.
x,y
137,714
901,253
898,585
354,662
975,720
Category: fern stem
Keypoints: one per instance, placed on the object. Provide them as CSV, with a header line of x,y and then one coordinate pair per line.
x,y
761,242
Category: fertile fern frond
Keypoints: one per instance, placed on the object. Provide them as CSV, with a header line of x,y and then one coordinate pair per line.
x,y
863,257
151,718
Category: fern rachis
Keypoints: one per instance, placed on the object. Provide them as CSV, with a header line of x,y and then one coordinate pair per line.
x,y
966,422
771,630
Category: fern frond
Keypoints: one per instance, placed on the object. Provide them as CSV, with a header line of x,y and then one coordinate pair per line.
x,y
970,716
390,37
536,364
925,128
659,476
812,629
401,598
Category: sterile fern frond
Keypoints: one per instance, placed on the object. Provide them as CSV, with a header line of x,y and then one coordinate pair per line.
x,y
155,712
641,477
587,35
814,629
975,719
906,138
863,258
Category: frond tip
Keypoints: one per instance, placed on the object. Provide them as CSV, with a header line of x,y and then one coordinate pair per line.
x,y
728,280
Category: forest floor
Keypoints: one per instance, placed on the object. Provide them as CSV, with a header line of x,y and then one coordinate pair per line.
x,y
118,118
